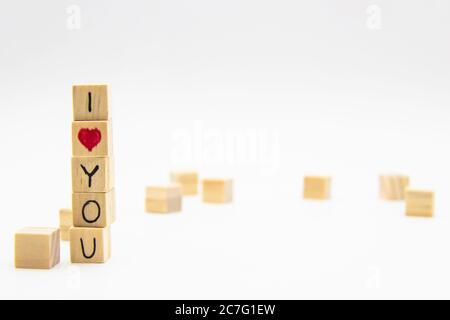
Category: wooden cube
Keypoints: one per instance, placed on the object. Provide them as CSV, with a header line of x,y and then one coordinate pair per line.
x,y
90,245
90,102
187,180
37,248
93,210
92,174
164,199
65,233
217,190
316,187
419,203
91,139
392,187
65,223
65,217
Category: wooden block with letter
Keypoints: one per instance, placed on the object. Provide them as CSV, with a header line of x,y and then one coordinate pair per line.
x,y
217,190
94,210
37,248
419,203
91,139
163,199
65,223
187,180
90,102
90,245
392,187
92,174
316,187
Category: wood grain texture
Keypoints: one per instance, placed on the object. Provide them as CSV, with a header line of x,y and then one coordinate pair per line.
x,y
90,245
104,146
90,102
392,187
91,179
419,203
187,180
316,187
217,190
163,199
94,210
37,248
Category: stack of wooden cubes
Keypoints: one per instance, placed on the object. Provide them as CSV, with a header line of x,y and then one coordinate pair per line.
x,y
93,201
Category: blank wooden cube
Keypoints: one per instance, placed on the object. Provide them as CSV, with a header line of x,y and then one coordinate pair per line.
x,y
419,203
164,199
65,217
94,210
316,187
90,102
392,187
187,180
65,223
217,190
92,174
37,248
90,245
65,233
91,139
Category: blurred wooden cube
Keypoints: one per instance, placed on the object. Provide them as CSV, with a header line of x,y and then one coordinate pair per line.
x,y
37,248
217,190
419,203
65,223
316,187
163,199
392,187
187,180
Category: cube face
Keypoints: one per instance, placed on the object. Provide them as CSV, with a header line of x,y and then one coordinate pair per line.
x,y
217,190
163,205
91,139
163,192
65,233
37,248
392,187
163,199
419,203
65,223
316,187
92,174
94,210
90,102
90,245
187,180
65,217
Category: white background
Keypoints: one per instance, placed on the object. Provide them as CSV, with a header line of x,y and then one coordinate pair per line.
x,y
261,91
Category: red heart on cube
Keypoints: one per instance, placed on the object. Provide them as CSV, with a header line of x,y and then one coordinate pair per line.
x,y
90,138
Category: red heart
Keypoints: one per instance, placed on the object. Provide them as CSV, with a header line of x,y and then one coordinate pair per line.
x,y
90,138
